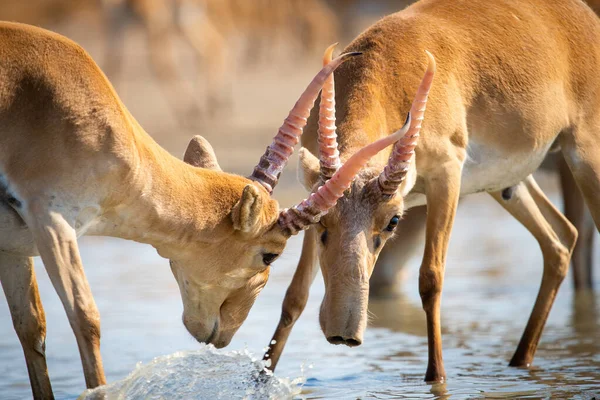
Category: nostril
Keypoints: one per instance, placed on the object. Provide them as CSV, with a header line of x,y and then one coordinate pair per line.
x,y
351,342
335,340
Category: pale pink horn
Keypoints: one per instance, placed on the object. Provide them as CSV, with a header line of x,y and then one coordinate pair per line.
x,y
403,153
277,154
310,210
329,156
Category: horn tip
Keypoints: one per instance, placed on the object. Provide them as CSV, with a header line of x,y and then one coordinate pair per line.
x,y
431,66
328,56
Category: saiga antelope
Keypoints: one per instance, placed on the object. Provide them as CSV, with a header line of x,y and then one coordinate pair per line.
x,y
514,79
74,161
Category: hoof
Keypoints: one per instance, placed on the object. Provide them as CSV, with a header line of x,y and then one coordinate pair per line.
x,y
435,376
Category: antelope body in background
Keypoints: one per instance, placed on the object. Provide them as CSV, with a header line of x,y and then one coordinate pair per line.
x,y
514,79
74,161
212,30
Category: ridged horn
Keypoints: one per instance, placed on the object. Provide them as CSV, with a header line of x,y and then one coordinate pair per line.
x,y
403,153
277,154
310,210
329,156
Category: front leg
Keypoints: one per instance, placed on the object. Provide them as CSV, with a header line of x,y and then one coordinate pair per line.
x,y
23,298
442,192
295,297
56,241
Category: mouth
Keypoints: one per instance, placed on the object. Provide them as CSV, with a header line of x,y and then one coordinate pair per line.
x,y
213,334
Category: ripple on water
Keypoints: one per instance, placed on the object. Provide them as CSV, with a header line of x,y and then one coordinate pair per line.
x,y
215,373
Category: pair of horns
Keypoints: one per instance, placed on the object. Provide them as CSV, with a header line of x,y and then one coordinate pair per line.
x,y
337,177
276,156
403,153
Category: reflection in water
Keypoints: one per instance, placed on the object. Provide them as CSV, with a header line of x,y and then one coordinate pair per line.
x,y
585,318
398,314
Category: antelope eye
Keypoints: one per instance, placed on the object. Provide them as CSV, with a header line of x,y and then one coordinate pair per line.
x,y
393,223
324,236
268,258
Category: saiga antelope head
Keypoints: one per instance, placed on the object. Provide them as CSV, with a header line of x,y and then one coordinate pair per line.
x,y
250,232
353,232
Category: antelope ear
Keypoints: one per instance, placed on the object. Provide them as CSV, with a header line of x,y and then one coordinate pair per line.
x,y
309,169
246,213
200,153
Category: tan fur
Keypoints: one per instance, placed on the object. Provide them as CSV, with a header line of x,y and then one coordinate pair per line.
x,y
74,161
513,79
201,154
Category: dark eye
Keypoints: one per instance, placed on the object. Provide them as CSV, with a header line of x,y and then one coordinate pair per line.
x,y
393,223
324,236
268,258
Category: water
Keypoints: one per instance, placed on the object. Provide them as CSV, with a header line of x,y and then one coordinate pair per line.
x,y
493,273
225,375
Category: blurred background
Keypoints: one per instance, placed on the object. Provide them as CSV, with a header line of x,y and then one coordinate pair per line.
x,y
230,70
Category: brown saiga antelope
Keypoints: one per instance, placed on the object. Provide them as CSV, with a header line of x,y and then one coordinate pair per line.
x,y
514,79
74,161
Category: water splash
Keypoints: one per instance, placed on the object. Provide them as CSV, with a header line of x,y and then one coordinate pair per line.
x,y
207,373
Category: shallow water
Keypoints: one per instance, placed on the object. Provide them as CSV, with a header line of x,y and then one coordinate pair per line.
x,y
225,375
493,273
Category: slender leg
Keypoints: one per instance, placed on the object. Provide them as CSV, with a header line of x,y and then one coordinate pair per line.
x,y
556,237
442,193
21,290
579,215
295,297
57,244
115,20
160,28
212,52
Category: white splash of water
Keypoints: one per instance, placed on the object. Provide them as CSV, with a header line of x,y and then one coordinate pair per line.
x,y
207,373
